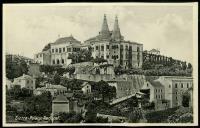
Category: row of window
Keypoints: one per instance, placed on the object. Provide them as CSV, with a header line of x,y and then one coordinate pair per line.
x,y
158,90
116,47
182,86
60,50
62,61
38,55
158,96
27,81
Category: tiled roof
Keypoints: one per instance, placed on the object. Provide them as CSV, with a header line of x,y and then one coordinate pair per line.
x,y
65,39
24,77
56,87
60,98
155,83
69,94
84,84
154,50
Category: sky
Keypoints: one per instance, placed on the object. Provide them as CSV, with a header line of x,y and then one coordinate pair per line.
x,y
27,29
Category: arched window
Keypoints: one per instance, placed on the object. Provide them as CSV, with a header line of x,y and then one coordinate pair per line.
x,y
58,61
53,62
63,61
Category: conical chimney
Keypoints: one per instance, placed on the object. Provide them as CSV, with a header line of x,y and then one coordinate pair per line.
x,y
116,35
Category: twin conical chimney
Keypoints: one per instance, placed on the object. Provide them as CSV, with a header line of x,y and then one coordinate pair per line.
x,y
116,35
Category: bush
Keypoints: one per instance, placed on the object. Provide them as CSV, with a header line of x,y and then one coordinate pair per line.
x,y
160,116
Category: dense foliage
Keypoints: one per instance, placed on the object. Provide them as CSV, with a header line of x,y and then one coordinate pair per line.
x,y
136,115
160,116
81,56
70,117
159,70
73,84
15,67
50,69
102,88
32,105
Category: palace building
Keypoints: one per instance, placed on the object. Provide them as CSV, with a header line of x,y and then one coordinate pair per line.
x,y
109,45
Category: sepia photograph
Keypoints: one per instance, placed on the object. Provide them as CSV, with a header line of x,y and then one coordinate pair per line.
x,y
110,64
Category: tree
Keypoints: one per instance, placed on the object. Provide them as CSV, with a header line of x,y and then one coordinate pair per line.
x,y
15,67
99,60
135,116
105,90
81,56
189,66
56,78
38,105
91,115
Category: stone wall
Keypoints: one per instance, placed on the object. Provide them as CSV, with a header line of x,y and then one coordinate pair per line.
x,y
60,107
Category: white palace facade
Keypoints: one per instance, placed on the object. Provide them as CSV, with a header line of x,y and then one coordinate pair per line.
x,y
109,45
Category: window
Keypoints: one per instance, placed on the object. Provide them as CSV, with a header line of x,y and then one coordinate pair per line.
x,y
187,85
63,61
58,61
138,49
102,48
97,47
107,56
161,90
63,49
36,56
107,46
27,81
53,61
68,49
181,85
147,85
59,50
176,98
169,86
175,85
56,50
52,50
156,90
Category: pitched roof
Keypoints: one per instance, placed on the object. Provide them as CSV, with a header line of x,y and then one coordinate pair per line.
x,y
68,95
84,84
60,98
154,50
155,83
56,87
24,77
65,40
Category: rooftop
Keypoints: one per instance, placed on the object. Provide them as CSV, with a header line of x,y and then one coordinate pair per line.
x,y
155,83
65,40
60,98
24,76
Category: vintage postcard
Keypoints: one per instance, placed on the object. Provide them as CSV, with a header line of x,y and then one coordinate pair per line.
x,y
113,64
